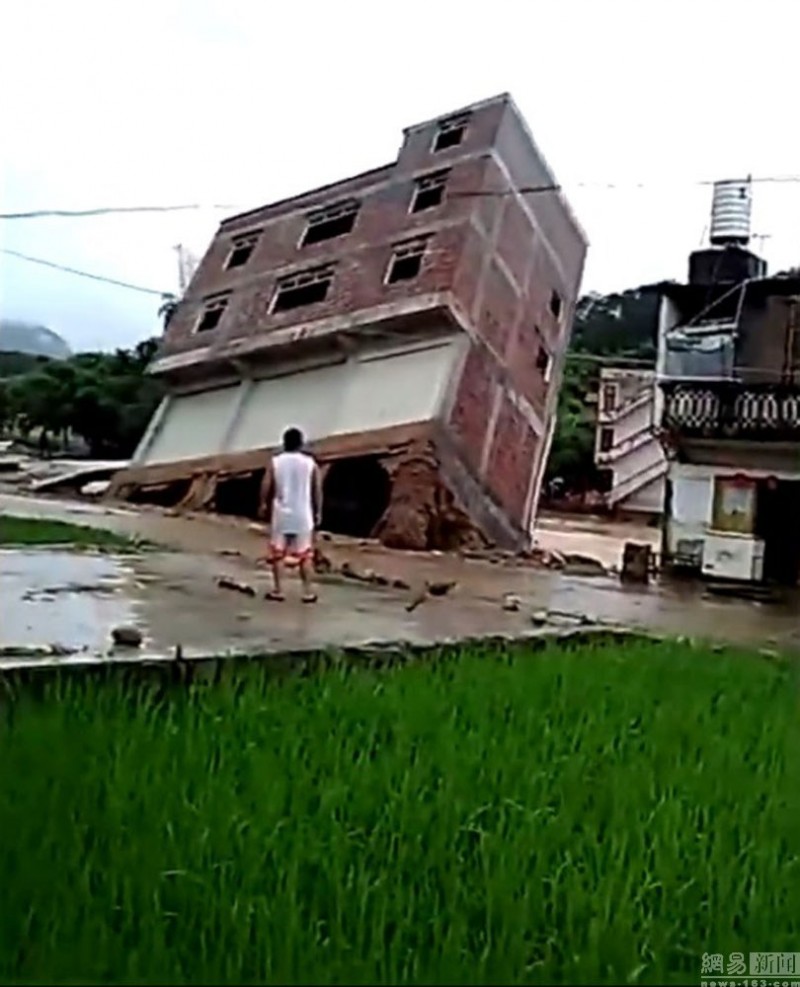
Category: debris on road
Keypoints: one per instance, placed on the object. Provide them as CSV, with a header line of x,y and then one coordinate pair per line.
x,y
511,602
37,651
576,564
421,597
127,637
437,589
227,582
440,589
322,564
95,488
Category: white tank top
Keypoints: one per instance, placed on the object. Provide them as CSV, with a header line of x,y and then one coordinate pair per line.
x,y
293,512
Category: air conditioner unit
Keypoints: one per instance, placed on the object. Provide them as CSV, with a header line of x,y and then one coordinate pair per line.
x,y
733,556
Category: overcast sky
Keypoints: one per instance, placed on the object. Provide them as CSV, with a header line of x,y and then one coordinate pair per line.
x,y
165,101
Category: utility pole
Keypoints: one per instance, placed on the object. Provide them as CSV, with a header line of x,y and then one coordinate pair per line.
x,y
187,264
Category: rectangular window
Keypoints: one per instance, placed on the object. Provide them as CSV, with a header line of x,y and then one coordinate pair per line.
x,y
606,439
450,133
605,480
303,288
213,308
406,261
556,304
429,191
609,400
330,222
242,248
543,362
734,504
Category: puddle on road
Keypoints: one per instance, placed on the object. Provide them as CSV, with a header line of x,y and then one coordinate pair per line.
x,y
68,599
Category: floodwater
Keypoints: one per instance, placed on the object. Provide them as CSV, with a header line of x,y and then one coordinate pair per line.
x,y
63,599
73,600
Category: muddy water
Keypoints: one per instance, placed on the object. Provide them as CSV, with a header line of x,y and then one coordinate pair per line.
x,y
174,598
61,598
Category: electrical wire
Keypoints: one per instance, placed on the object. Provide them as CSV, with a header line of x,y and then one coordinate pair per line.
x,y
87,274
107,210
619,362
617,186
522,190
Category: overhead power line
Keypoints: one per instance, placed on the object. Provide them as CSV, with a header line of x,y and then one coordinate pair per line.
x,y
523,190
620,186
86,274
108,210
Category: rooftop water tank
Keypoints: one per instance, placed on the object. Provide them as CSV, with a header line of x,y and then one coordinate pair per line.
x,y
730,212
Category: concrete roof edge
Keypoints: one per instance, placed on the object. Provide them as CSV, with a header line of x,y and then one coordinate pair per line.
x,y
469,108
548,169
279,203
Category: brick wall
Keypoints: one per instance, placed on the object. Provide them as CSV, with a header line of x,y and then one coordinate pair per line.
x,y
361,259
481,133
511,460
471,412
526,375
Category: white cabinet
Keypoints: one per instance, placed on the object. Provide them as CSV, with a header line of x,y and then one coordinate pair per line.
x,y
732,556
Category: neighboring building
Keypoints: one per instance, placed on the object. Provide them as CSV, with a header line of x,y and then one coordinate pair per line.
x,y
30,339
729,370
413,320
628,450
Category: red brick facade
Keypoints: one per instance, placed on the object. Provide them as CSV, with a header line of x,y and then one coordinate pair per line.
x,y
503,255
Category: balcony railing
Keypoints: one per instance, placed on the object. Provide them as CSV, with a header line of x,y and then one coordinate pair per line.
x,y
732,410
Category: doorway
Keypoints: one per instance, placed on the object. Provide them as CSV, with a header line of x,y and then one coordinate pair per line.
x,y
355,496
777,510
239,494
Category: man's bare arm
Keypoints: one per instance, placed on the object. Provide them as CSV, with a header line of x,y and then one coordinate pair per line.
x,y
316,495
267,494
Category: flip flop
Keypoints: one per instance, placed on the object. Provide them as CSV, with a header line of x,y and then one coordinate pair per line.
x,y
274,597
311,598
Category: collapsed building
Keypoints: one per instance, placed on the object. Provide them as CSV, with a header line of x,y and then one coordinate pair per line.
x,y
412,321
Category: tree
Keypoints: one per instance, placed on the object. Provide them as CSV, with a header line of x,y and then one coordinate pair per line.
x,y
5,406
105,398
608,328
167,309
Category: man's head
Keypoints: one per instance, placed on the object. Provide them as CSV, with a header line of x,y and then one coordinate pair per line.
x,y
292,440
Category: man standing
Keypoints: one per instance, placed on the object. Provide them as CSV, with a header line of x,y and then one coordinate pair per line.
x,y
292,495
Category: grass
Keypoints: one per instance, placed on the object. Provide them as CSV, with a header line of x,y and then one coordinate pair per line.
x,y
600,815
18,531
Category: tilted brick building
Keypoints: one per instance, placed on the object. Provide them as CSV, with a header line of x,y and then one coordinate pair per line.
x,y
412,320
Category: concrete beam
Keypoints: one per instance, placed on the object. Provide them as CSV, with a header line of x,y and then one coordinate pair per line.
x,y
153,428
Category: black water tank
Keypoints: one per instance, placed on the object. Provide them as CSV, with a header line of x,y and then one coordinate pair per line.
x,y
724,265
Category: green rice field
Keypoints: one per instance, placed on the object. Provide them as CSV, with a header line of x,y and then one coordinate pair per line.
x,y
18,531
604,814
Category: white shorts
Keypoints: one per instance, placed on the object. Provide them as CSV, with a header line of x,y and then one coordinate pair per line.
x,y
291,548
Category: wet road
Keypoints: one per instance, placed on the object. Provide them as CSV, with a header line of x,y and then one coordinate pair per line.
x,y
174,598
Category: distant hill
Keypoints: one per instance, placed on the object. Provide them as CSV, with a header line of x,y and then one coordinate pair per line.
x,y
24,346
17,336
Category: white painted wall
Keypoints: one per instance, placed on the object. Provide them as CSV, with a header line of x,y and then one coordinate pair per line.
x,y
376,389
369,392
692,492
648,499
668,316
636,456
193,425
